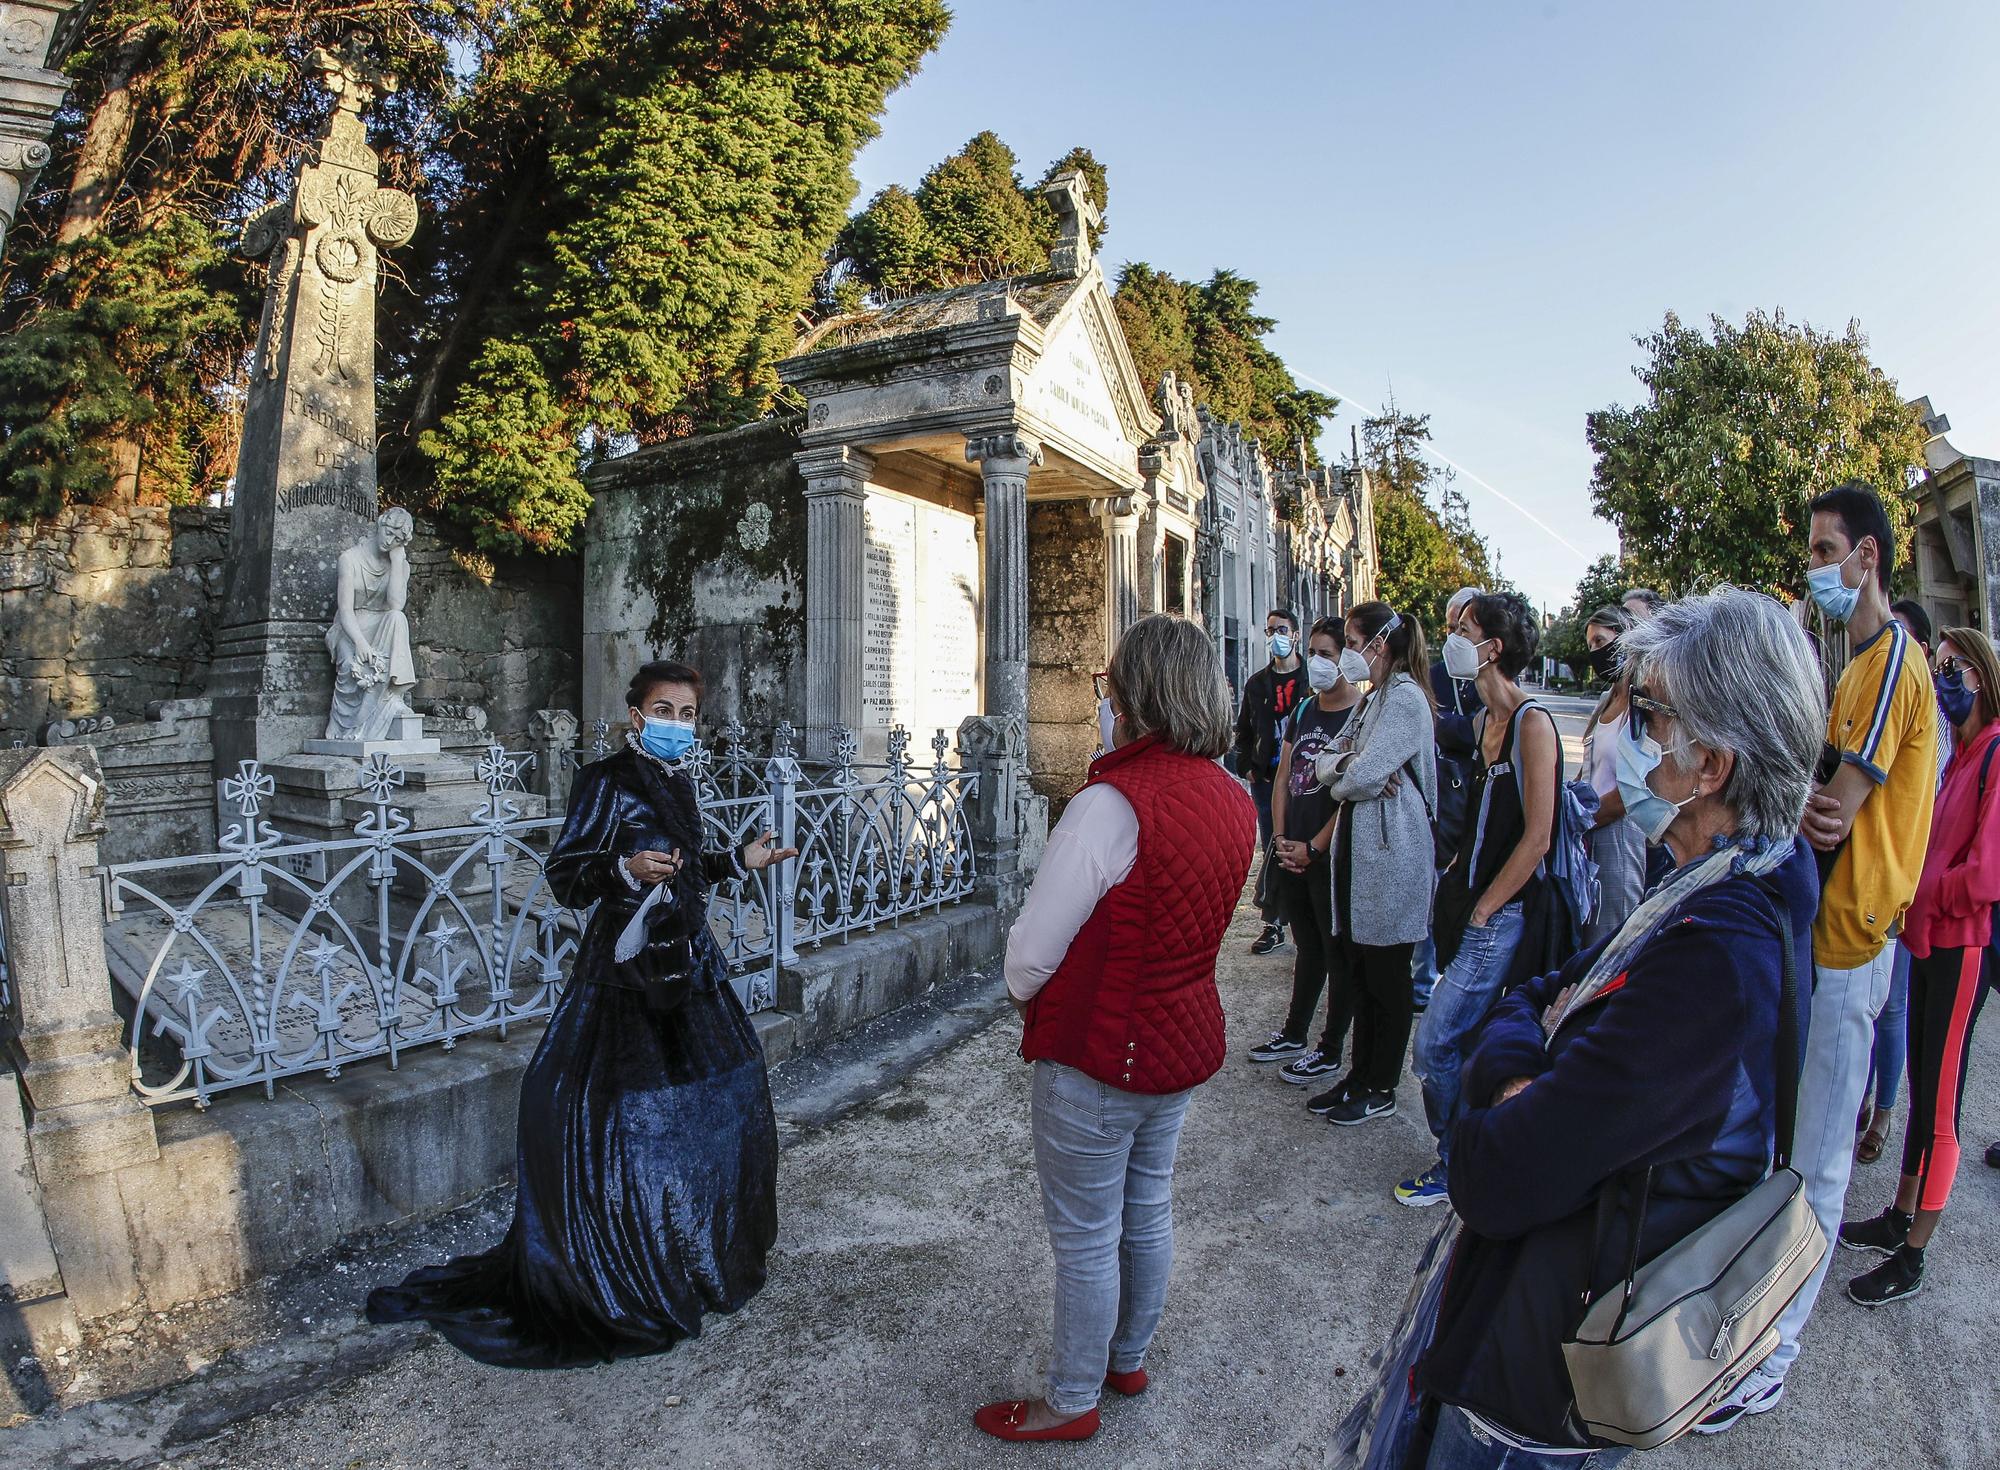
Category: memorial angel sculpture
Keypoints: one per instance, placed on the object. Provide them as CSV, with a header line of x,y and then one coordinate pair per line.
x,y
370,637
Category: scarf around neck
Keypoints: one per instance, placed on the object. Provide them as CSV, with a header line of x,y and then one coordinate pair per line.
x,y
1744,857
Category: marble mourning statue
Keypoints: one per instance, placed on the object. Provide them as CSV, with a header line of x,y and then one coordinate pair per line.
x,y
370,637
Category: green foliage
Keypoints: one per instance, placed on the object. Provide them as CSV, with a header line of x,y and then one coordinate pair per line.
x,y
1603,584
1426,553
970,219
1210,335
124,327
1708,479
691,167
624,208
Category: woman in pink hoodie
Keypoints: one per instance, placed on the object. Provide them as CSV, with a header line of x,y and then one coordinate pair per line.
x,y
1946,931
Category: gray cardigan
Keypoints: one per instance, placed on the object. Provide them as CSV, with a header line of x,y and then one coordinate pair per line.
x,y
1389,835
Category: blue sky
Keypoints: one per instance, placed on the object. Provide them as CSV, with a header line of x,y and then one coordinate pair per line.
x,y
1482,203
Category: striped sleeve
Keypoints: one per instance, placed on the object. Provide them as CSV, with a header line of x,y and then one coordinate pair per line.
x,y
1873,713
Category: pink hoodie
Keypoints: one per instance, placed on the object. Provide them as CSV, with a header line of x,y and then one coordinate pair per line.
x,y
1953,908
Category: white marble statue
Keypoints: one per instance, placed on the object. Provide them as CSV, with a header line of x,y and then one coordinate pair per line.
x,y
370,636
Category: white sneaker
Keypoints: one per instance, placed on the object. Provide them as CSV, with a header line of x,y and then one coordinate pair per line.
x,y
1758,1393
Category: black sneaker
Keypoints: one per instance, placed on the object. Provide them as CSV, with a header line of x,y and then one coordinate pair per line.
x,y
1361,1107
1897,1279
1885,1234
1325,1102
1993,1155
1273,938
1279,1047
1309,1068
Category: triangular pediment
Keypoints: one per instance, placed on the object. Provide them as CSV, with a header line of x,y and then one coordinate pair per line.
x,y
1083,389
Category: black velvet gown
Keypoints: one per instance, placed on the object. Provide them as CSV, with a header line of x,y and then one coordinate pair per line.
x,y
647,1152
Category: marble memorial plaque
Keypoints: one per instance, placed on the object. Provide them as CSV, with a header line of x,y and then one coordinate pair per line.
x,y
920,635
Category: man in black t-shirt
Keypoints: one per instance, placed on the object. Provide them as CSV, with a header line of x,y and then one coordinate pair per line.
x,y
1269,697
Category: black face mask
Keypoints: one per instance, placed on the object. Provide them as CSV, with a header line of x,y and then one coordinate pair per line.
x,y
1603,661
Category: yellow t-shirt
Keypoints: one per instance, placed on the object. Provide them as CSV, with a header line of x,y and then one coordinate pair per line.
x,y
1884,720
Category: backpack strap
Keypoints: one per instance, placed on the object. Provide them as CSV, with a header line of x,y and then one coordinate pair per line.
x,y
1521,781
1985,766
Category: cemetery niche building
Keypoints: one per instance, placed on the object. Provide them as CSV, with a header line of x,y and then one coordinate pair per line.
x,y
978,498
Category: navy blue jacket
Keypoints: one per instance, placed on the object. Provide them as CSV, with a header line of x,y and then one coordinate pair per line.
x,y
1457,702
1676,1070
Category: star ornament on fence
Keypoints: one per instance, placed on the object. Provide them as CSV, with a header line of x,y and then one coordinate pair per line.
x,y
185,983
323,955
442,935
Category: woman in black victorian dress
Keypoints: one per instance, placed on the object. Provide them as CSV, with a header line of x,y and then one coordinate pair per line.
x,y
647,1152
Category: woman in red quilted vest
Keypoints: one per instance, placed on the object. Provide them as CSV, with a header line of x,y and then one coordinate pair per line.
x,y
1112,966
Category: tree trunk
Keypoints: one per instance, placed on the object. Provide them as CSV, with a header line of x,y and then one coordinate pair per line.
x,y
424,408
100,162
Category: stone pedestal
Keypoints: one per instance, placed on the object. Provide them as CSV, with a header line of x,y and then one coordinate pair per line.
x,y
84,1121
836,589
1004,461
408,740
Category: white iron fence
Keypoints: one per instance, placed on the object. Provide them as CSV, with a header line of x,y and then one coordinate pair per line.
x,y
276,957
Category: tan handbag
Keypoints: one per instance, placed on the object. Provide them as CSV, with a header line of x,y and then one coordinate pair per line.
x,y
1654,1356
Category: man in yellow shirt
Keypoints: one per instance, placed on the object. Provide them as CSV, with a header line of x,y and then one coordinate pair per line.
x,y
1870,818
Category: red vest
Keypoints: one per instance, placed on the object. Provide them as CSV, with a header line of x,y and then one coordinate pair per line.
x,y
1133,1003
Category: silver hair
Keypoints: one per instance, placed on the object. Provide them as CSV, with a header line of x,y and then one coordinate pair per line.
x,y
1167,681
1738,670
1455,604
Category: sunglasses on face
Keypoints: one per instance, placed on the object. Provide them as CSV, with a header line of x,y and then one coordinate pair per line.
x,y
1102,684
1951,667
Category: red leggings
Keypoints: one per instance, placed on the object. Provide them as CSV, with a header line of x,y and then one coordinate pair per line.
x,y
1946,992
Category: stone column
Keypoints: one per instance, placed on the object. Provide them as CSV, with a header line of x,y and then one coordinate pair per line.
x,y
552,733
1122,608
1004,461
35,35
836,589
87,1123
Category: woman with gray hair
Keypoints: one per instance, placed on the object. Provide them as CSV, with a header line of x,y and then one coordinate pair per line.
x,y
1112,966
1654,1054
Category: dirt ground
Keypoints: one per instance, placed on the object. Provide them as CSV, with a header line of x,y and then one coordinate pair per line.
x,y
911,1283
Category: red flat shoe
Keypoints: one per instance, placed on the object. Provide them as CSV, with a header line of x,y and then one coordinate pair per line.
x,y
1130,1384
1003,1420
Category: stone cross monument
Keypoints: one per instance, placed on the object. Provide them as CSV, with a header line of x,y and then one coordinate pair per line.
x,y
305,478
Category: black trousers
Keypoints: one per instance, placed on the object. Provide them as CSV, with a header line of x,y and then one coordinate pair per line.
x,y
1382,1004
1947,990
1266,901
1305,901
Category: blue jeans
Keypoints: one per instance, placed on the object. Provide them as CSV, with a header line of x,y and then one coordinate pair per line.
x,y
1106,1162
1463,996
1423,971
1892,1037
1461,1445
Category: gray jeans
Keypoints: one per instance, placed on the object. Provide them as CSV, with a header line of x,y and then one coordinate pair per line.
x,y
1106,1162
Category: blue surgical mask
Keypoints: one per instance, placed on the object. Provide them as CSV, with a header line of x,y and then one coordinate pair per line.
x,y
1954,698
667,739
1835,598
1638,756
1281,645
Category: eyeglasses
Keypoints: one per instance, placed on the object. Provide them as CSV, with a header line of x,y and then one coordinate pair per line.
x,y
1949,665
1645,708
1102,684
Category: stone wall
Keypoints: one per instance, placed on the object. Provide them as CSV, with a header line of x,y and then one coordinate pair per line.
x,y
107,612
104,611
1066,643
696,551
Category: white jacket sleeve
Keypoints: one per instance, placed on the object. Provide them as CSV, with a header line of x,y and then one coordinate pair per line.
x,y
1090,852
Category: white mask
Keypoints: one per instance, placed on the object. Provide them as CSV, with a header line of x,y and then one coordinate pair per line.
x,y
1322,673
1461,657
1107,726
1353,667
